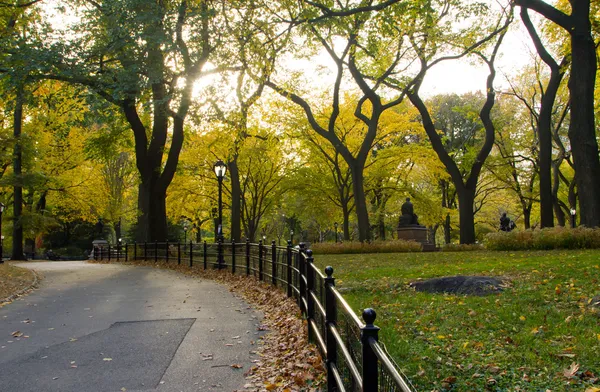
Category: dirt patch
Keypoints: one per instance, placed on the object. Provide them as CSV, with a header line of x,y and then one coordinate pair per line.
x,y
14,281
460,284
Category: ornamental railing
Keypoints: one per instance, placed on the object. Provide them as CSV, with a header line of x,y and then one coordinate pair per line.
x,y
356,360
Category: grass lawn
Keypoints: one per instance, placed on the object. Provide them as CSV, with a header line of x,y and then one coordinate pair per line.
x,y
13,279
539,334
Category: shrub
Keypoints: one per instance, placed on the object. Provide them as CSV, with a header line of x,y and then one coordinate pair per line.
x,y
545,239
461,247
394,246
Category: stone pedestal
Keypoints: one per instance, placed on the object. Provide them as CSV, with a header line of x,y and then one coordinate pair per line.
x,y
415,233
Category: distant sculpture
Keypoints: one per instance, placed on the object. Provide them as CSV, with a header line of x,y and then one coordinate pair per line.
x,y
100,229
506,224
408,216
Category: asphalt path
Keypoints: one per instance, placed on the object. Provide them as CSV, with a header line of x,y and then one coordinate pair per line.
x,y
110,327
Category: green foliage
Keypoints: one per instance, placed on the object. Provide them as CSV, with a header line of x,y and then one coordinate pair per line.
x,y
543,239
394,246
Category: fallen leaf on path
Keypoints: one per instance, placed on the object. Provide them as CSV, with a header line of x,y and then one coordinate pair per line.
x,y
107,359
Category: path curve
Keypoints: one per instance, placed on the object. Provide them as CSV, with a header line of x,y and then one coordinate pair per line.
x,y
110,327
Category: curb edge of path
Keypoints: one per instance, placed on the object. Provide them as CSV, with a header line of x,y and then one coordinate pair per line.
x,y
25,291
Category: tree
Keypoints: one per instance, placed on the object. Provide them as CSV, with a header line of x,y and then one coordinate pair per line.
x,y
544,121
464,183
256,44
582,78
143,57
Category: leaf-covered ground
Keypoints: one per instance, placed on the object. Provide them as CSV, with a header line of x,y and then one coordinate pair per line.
x,y
288,362
540,334
13,280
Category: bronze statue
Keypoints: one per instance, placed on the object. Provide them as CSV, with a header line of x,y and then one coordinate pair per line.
x,y
408,216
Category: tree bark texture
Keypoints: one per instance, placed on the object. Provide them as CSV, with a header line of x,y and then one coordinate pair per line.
x,y
582,130
236,200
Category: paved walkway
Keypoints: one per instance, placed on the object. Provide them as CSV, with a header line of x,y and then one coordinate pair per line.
x,y
97,327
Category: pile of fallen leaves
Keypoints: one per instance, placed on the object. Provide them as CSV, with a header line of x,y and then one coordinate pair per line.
x,y
14,281
288,361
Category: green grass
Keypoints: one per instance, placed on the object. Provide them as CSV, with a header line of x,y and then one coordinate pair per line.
x,y
522,339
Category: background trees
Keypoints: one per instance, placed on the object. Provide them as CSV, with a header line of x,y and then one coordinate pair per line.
x,y
123,119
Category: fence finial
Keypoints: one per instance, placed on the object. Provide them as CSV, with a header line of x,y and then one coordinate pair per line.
x,y
329,271
309,253
369,315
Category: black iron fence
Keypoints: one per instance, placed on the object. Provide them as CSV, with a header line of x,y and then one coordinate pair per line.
x,y
356,360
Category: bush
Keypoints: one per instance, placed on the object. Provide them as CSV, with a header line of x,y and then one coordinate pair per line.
x,y
545,239
461,247
394,246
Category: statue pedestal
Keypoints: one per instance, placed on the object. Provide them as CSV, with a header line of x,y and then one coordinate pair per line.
x,y
416,233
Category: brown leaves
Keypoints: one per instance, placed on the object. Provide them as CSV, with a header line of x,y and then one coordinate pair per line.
x,y
571,370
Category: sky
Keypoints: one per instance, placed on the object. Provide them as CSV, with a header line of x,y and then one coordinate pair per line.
x,y
455,76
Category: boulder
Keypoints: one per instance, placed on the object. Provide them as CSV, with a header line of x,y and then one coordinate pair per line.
x,y
460,284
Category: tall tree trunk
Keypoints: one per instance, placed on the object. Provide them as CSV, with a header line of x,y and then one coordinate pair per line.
x,y
152,221
558,212
17,240
360,202
466,199
545,123
346,222
447,229
236,197
582,130
527,216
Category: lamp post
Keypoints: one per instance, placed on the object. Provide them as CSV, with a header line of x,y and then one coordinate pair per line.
x,y
292,236
185,229
335,224
2,237
573,215
220,169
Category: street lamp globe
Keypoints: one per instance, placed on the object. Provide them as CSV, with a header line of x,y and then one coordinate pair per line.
x,y
220,169
573,211
1,207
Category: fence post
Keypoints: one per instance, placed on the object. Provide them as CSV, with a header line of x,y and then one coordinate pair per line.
x,y
310,288
108,252
156,251
233,257
302,277
247,256
167,251
260,260
330,321
145,251
179,253
191,254
118,253
205,256
274,263
289,268
126,252
369,365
